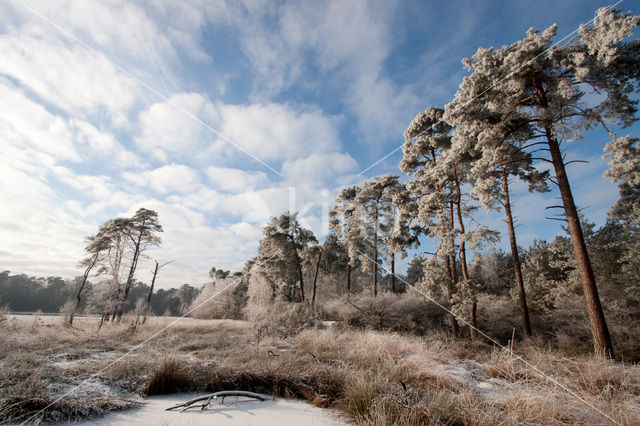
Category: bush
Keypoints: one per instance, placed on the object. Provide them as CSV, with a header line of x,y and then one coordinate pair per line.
x,y
4,313
393,312
277,319
66,310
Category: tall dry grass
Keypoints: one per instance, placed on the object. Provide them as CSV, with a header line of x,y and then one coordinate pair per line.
x,y
375,377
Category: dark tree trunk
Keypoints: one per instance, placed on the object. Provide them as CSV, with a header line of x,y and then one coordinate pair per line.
x,y
299,263
454,272
315,280
517,268
450,290
601,339
393,272
375,256
473,315
463,255
102,318
153,283
349,277
132,271
116,278
84,281
454,267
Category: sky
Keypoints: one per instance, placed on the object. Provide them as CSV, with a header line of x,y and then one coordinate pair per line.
x,y
220,114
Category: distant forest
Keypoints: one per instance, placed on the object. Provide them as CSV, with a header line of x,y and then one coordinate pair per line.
x,y
23,293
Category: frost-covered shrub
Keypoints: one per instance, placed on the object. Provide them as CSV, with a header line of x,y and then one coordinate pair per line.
x,y
406,312
4,313
66,310
223,298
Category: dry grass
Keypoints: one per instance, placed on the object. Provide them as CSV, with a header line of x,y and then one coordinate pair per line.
x,y
374,377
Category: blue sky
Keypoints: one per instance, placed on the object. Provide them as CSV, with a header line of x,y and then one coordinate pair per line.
x,y
219,114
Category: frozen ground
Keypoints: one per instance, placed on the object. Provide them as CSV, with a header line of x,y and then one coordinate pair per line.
x,y
243,412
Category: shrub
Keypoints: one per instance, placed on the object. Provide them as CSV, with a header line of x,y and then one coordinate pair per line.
x,y
4,313
393,312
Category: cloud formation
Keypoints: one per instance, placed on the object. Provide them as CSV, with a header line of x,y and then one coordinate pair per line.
x,y
217,114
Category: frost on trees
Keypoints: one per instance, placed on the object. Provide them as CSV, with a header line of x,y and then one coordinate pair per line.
x,y
426,139
545,84
279,256
495,136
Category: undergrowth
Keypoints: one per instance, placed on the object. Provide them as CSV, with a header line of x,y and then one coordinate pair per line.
x,y
373,377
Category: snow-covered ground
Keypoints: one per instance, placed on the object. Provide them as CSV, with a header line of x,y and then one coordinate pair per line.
x,y
279,412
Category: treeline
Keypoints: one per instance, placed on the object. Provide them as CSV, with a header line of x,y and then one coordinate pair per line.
x,y
509,120
23,293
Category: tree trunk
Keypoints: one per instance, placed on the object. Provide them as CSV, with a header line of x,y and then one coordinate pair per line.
x,y
84,281
116,277
299,262
102,317
132,271
463,255
393,272
601,339
375,256
453,323
517,268
473,315
153,283
451,265
315,280
454,267
349,277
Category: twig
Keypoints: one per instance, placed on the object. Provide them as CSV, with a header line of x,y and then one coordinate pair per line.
x,y
222,394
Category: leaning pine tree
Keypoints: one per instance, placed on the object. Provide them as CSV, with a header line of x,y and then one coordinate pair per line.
x,y
546,83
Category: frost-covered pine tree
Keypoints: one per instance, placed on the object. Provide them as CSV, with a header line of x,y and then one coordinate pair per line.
x,y
546,83
495,137
453,170
375,205
97,248
400,233
279,254
141,232
624,168
426,138
345,224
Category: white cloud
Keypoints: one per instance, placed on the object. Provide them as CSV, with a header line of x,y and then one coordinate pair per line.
x,y
99,187
103,145
172,178
26,123
170,128
202,199
73,79
234,180
319,168
279,132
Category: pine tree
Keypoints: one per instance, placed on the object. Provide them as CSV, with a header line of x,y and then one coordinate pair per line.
x,y
546,84
426,138
141,232
494,136
346,224
279,255
96,247
375,205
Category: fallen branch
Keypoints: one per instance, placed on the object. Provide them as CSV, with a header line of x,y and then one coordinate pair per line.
x,y
222,394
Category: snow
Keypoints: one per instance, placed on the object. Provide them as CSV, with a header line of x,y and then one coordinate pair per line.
x,y
474,375
242,412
